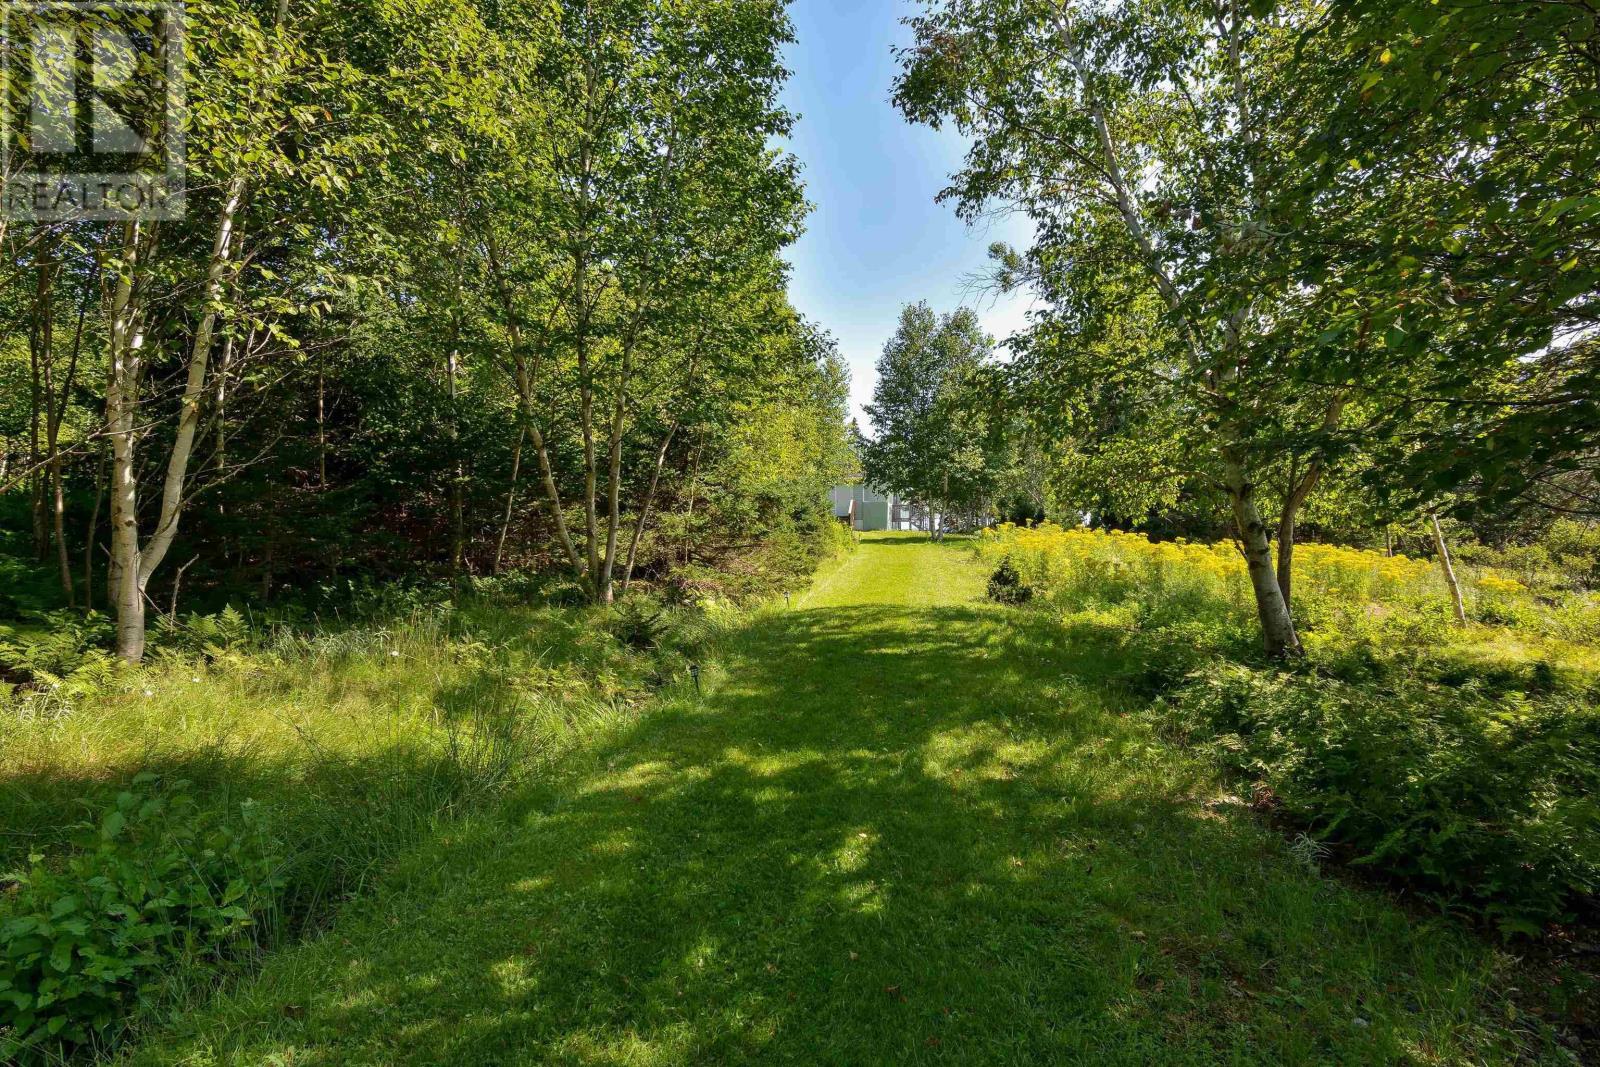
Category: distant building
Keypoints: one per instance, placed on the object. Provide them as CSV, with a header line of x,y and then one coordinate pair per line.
x,y
867,510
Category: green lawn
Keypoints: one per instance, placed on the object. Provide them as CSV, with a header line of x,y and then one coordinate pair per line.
x,y
900,826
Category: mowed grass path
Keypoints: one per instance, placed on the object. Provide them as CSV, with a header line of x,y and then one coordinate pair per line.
x,y
900,826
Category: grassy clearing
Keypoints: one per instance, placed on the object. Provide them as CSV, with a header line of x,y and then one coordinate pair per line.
x,y
900,825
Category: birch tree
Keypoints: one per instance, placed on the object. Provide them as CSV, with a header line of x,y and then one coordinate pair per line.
x,y
261,131
1137,138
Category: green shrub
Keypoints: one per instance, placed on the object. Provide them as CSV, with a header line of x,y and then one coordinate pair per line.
x,y
639,623
158,880
1480,799
836,539
1575,546
63,658
1006,585
1160,659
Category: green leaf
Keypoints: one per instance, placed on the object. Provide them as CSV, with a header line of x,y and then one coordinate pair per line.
x,y
61,955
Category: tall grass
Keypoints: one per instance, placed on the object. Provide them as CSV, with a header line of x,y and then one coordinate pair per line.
x,y
353,743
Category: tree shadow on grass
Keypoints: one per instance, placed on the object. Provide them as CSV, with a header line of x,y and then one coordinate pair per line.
x,y
882,836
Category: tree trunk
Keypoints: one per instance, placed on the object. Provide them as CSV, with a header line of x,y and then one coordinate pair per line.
x,y
92,534
59,529
44,353
1300,491
547,472
219,402
644,509
1277,624
591,487
322,429
511,500
174,485
527,376
122,399
614,481
37,479
458,519
1286,543
688,514
57,416
219,414
1449,569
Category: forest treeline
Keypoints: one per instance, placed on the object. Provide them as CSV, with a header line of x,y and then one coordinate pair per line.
x,y
467,286
461,287
1327,269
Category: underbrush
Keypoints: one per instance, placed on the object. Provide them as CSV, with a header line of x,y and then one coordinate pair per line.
x,y
157,882
1483,800
1463,762
1565,560
169,824
779,563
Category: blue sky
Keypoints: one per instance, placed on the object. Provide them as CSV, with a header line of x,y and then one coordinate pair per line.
x,y
876,240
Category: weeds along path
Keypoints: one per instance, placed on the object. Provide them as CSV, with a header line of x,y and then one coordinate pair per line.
x,y
900,826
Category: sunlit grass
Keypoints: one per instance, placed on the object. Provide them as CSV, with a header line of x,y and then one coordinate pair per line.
x,y
899,826
360,743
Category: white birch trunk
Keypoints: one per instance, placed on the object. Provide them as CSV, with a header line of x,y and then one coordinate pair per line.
x,y
511,501
644,509
175,483
133,563
1277,624
1449,566
126,592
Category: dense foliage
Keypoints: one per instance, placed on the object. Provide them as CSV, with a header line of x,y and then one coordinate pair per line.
x,y
1479,794
1420,749
1298,265
160,880
462,287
